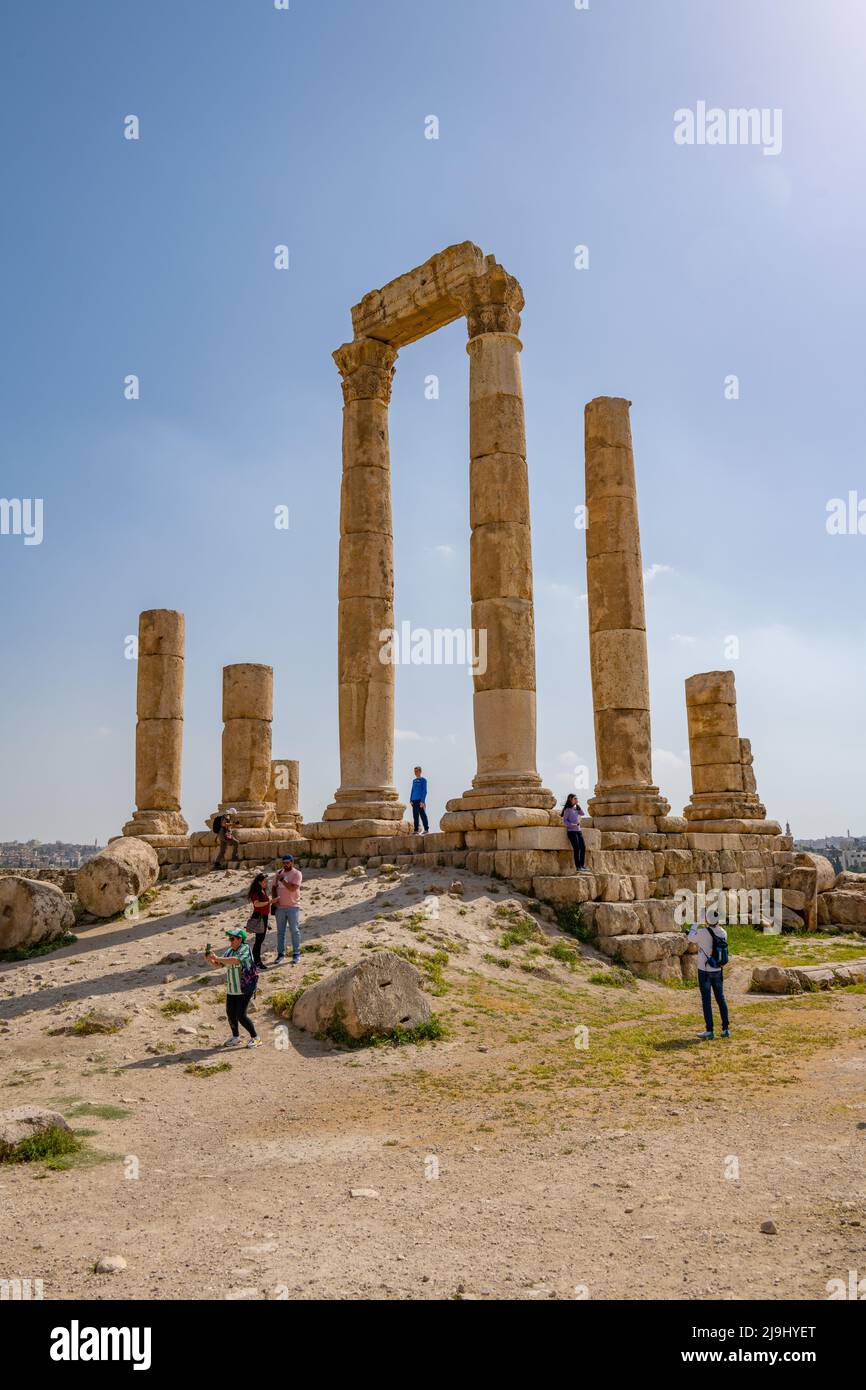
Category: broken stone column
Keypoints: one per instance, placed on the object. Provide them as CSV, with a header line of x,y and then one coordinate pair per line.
x,y
248,709
159,726
503,620
285,774
723,782
366,593
617,623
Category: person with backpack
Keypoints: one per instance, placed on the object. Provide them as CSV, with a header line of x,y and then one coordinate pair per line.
x,y
260,910
223,827
242,977
571,814
712,943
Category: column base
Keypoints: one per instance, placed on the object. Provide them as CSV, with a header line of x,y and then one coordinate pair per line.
x,y
250,815
145,823
714,806
365,803
637,806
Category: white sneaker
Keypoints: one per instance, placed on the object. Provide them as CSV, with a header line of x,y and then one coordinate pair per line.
x,y
233,1042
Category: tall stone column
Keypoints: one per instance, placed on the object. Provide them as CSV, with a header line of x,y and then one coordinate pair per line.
x,y
503,620
723,782
285,776
366,592
617,623
248,709
159,726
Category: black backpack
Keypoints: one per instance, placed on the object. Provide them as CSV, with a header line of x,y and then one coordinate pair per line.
x,y
719,957
217,824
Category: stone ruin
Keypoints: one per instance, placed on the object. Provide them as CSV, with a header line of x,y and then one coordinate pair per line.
x,y
506,823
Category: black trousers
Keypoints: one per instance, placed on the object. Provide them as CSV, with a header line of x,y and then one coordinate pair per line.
x,y
258,943
578,847
418,812
236,1012
710,983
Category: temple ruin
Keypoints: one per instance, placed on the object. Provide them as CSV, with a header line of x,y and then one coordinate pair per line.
x,y
638,854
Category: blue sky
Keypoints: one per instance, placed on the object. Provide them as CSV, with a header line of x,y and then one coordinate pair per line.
x,y
306,127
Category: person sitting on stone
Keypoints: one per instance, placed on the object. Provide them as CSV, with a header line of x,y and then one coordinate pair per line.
x,y
418,799
571,816
224,827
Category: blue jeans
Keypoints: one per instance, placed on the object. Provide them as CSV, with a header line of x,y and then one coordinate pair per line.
x,y
710,983
292,916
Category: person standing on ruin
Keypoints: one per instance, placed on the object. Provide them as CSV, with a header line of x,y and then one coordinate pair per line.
x,y
572,812
712,944
224,827
418,798
287,896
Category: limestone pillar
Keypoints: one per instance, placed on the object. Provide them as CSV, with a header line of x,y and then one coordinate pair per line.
x,y
285,775
503,623
159,726
366,591
617,624
723,782
248,709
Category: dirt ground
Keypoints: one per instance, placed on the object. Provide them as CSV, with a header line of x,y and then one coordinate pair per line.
x,y
506,1161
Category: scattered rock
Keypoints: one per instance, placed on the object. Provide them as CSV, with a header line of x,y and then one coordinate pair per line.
x,y
31,911
363,1192
377,995
116,876
25,1121
110,1264
768,1228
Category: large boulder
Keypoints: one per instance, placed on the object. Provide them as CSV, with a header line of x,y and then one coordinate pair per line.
x,y
845,907
26,1121
31,911
826,874
116,875
377,995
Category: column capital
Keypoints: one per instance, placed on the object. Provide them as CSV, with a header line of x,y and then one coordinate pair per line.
x,y
367,368
491,302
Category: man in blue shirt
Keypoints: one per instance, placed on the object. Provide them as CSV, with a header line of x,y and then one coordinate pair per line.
x,y
418,798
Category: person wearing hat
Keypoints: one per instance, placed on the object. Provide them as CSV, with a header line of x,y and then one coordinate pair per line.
x,y
287,896
242,976
224,827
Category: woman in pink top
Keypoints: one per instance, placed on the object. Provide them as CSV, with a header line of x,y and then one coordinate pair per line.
x,y
287,896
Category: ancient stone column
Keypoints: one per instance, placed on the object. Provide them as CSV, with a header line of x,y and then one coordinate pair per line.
x,y
723,782
617,624
159,727
283,793
248,709
366,590
503,623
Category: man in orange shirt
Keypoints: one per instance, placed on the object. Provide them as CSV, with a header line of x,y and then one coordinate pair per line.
x,y
287,897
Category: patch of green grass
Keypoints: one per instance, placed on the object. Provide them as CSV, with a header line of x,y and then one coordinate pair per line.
x,y
42,948
432,1030
100,1112
172,1007
502,961
200,1069
565,954
162,1047
88,1024
570,919
795,948
314,946
48,1145
616,978
431,964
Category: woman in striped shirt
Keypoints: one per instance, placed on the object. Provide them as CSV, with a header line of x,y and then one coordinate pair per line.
x,y
240,969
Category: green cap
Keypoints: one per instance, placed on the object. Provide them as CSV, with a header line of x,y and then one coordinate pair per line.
x,y
236,931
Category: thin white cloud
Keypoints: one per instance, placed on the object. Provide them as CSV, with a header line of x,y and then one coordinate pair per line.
x,y
684,638
664,758
654,569
447,552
